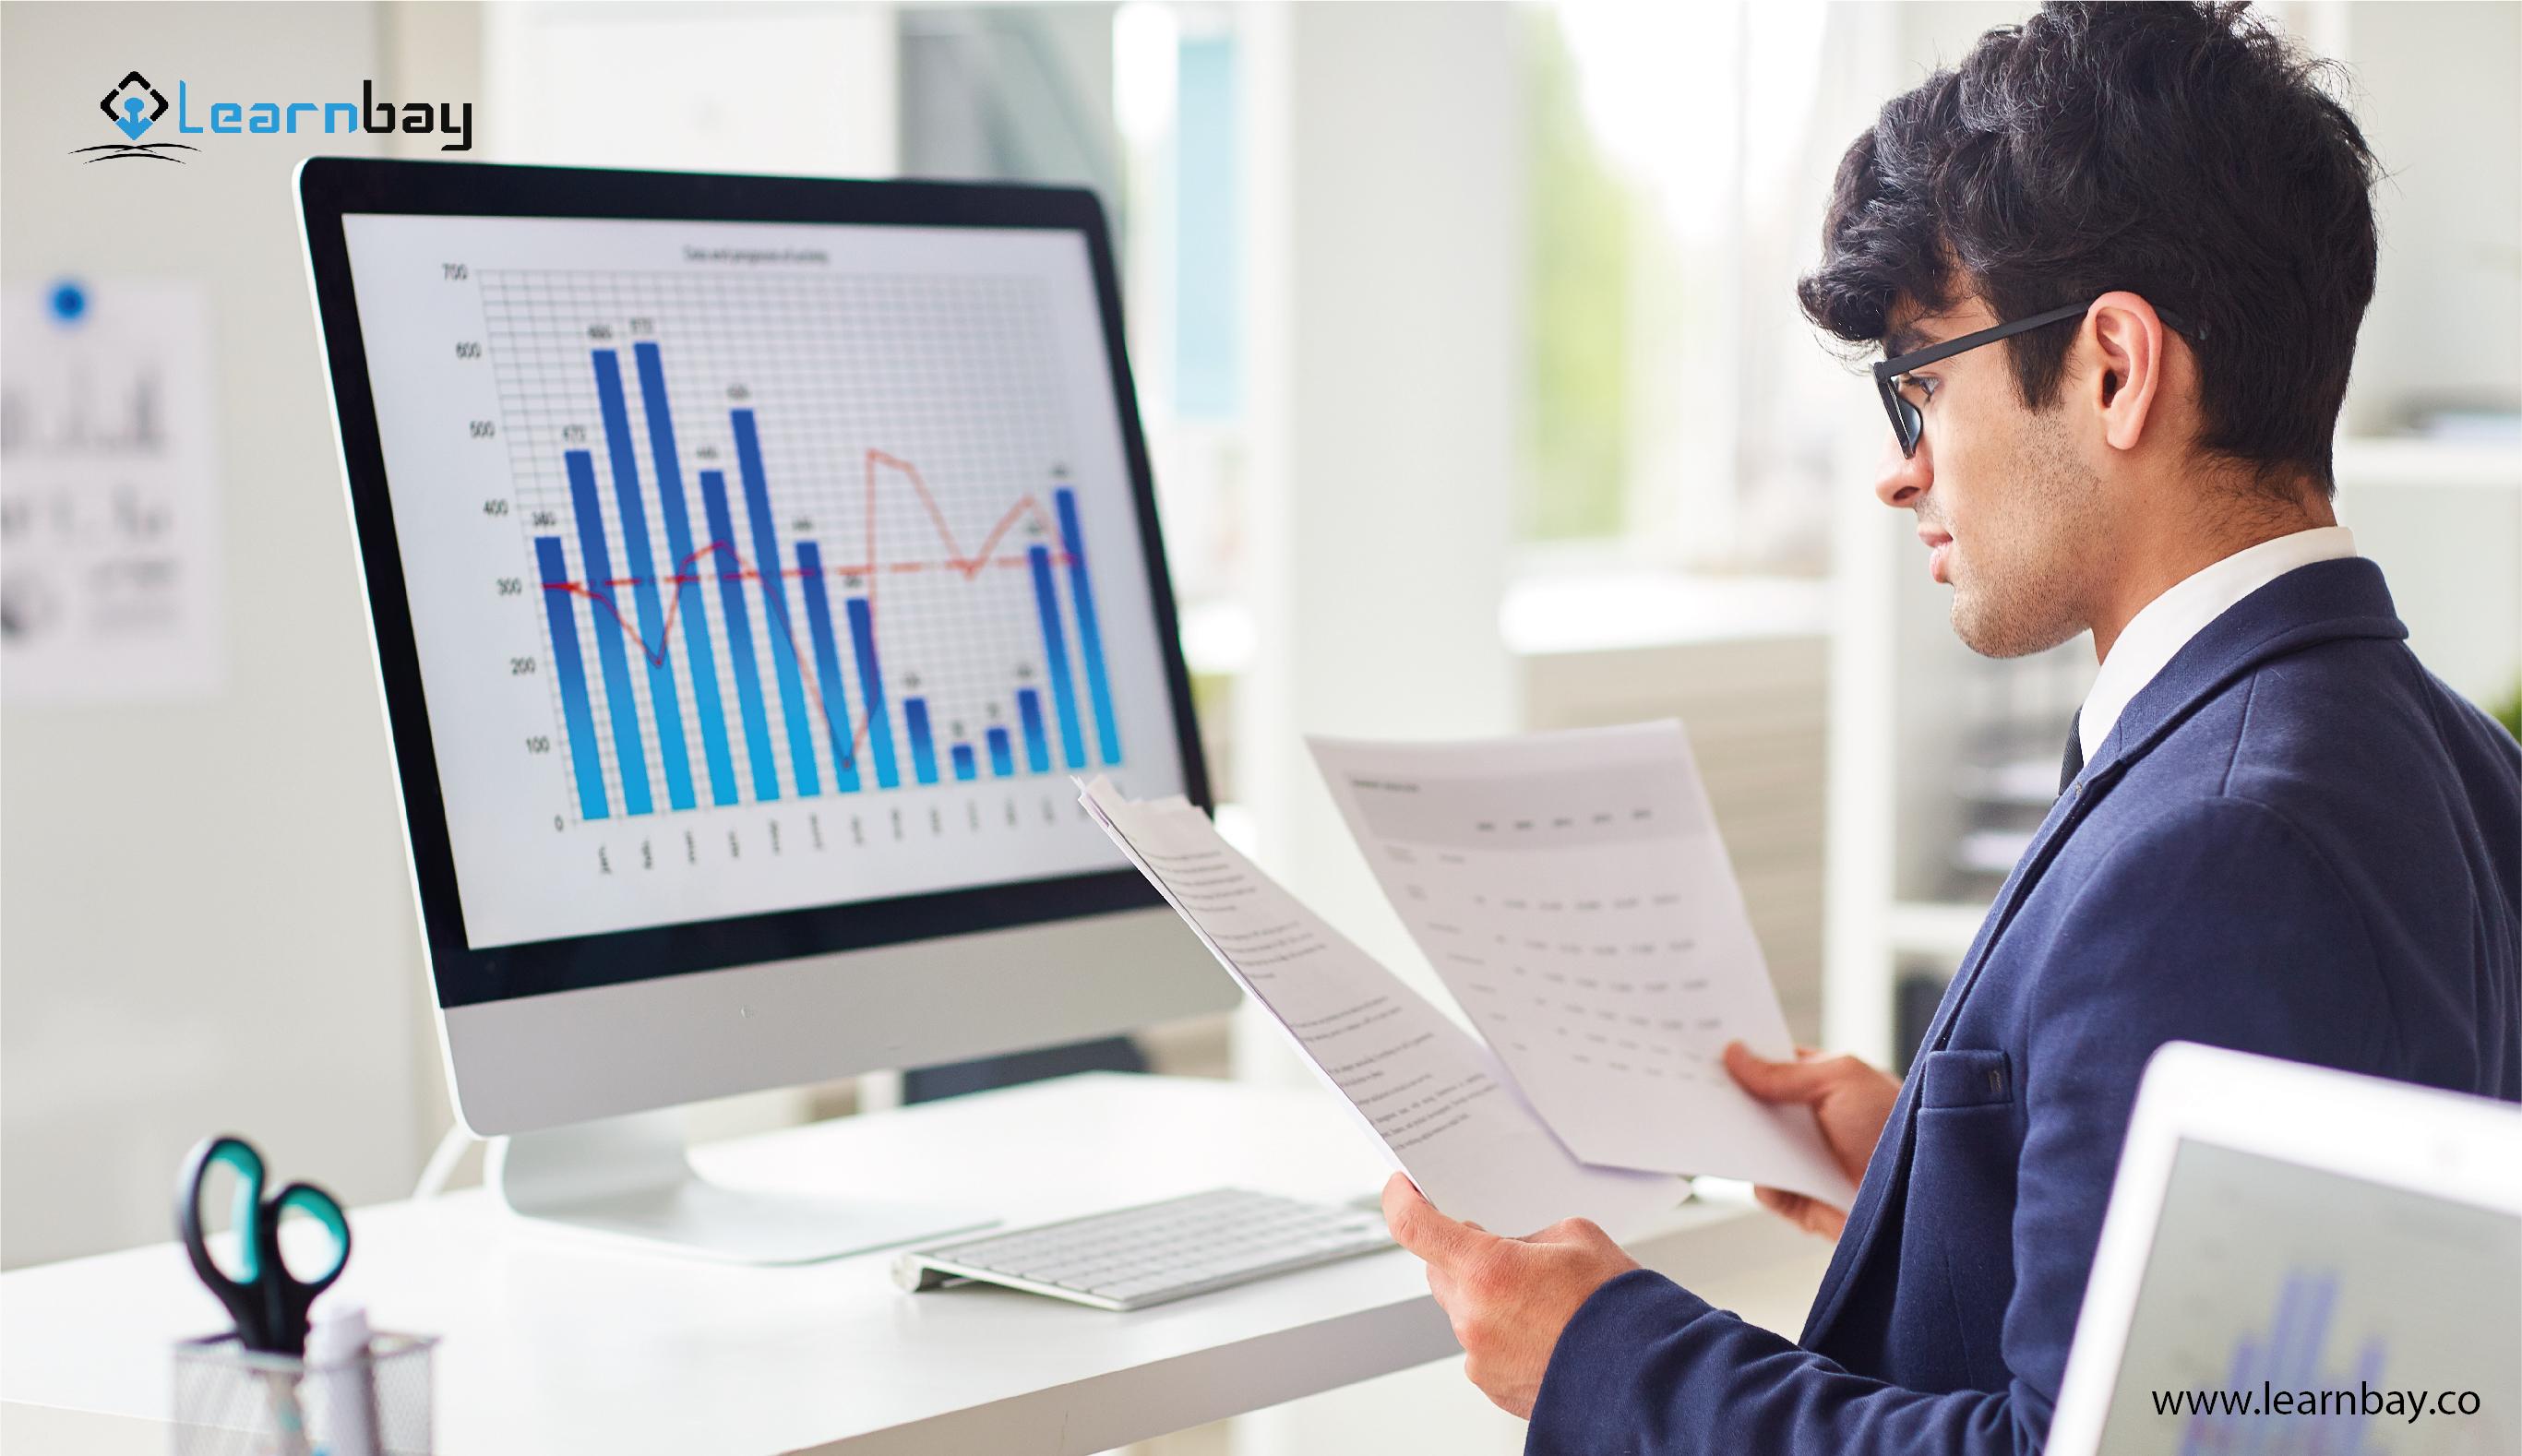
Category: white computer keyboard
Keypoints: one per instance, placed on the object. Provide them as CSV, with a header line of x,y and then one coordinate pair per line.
x,y
1133,1257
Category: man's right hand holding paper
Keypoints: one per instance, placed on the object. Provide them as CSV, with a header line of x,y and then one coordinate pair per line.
x,y
1849,1099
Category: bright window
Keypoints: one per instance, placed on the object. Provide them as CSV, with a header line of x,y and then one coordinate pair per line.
x,y
1668,154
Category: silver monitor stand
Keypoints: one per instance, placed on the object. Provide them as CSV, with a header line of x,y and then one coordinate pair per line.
x,y
629,1178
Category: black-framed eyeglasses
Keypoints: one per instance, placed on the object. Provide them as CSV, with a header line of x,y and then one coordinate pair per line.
x,y
1909,424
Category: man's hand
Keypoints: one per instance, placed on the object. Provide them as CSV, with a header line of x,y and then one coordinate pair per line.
x,y
1508,1298
1849,1099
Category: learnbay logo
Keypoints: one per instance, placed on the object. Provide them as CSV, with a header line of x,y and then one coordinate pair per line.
x,y
123,106
134,106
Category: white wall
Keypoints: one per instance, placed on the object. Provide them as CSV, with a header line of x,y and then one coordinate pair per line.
x,y
722,87
208,924
2438,89
1386,246
1386,230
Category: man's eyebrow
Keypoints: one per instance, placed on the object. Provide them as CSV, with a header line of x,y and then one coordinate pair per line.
x,y
1906,339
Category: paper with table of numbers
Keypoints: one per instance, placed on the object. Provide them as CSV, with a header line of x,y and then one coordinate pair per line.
x,y
1426,1091
1571,891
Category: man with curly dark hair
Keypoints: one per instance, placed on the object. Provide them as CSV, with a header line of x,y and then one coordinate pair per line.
x,y
2114,261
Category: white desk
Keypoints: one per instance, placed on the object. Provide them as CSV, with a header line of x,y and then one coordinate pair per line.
x,y
554,1343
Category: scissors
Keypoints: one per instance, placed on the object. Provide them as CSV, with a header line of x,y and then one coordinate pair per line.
x,y
266,1298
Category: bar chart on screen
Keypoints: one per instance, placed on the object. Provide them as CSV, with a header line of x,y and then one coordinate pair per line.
x,y
761,566
742,606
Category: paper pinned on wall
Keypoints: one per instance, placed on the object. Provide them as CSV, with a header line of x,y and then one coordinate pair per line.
x,y
109,572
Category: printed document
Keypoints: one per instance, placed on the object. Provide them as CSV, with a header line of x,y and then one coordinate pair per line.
x,y
1572,893
1429,1093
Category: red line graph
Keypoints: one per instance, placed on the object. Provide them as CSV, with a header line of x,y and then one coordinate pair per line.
x,y
969,565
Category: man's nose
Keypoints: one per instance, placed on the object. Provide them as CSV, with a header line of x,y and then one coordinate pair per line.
x,y
1900,480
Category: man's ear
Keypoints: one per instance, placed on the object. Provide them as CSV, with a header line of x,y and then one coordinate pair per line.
x,y
2130,349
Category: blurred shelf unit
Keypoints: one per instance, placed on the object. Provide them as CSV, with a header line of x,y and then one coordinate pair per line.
x,y
1934,929
2385,460
2442,517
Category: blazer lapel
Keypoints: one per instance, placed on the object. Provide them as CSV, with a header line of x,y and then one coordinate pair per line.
x,y
1888,1167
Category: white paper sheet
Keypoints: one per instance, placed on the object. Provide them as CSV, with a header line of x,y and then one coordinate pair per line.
x,y
1431,1096
1573,894
110,584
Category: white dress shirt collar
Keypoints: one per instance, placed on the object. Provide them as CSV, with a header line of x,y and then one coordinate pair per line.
x,y
2165,624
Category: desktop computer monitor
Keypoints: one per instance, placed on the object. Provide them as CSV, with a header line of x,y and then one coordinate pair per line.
x,y
751,562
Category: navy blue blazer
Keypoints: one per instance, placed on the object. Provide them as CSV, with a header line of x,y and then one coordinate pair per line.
x,y
2295,841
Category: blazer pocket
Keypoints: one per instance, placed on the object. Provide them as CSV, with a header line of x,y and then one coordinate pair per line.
x,y
1965,1079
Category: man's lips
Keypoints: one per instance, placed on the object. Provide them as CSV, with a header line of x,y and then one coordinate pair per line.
x,y
1940,550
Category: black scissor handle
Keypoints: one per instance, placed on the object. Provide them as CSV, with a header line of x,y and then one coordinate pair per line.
x,y
286,1296
241,1291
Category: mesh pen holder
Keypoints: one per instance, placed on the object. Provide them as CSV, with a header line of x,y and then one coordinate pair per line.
x,y
233,1401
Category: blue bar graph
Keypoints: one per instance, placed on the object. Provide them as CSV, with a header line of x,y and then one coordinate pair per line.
x,y
2368,1372
571,667
698,650
739,636
1055,650
1037,751
827,668
669,556
872,693
2288,1356
923,753
775,597
1089,635
662,692
621,705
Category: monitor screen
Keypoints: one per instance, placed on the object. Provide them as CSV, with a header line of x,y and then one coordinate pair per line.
x,y
757,566
2394,1317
